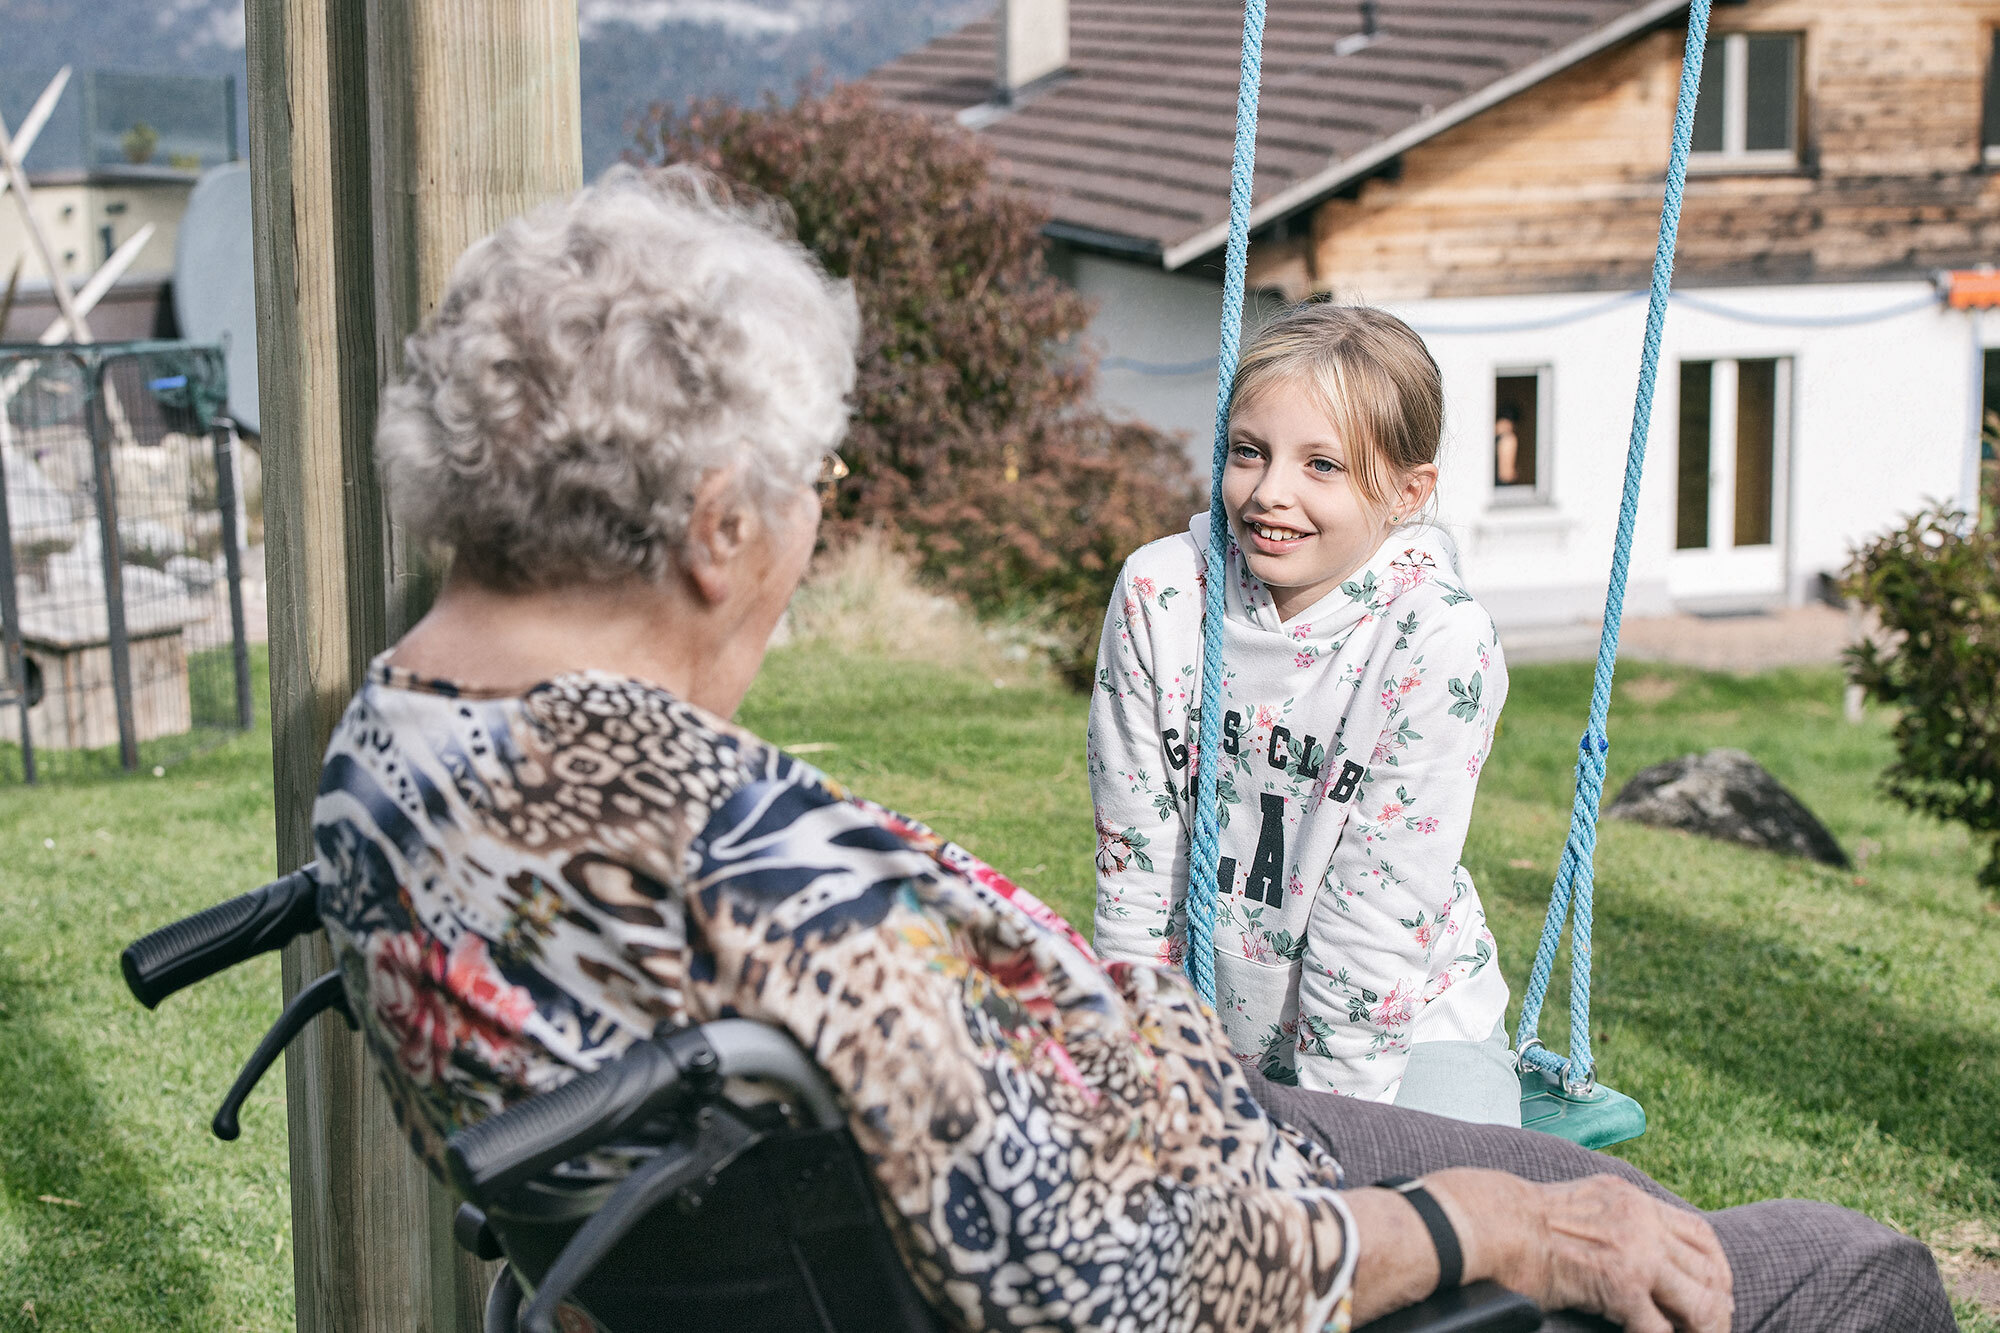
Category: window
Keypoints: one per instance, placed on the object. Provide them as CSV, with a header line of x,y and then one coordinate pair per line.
x,y
1989,132
1733,425
1989,415
1748,115
1520,456
1989,392
1691,476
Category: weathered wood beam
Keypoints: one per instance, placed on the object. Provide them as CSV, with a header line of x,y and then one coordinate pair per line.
x,y
359,1201
17,179
475,117
384,138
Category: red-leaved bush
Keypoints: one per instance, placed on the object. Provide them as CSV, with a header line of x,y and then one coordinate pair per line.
x,y
973,436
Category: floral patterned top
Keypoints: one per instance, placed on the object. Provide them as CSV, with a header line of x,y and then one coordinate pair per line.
x,y
1351,741
518,887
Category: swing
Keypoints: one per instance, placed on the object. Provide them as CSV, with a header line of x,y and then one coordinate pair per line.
x,y
1559,1095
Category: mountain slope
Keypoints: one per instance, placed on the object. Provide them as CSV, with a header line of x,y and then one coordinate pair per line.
x,y
635,53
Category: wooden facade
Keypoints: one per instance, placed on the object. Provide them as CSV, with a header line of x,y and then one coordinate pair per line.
x,y
1558,188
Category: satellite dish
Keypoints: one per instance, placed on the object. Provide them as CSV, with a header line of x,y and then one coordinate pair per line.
x,y
215,298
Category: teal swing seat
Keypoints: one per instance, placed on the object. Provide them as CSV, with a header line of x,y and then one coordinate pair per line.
x,y
1559,1095
1595,1119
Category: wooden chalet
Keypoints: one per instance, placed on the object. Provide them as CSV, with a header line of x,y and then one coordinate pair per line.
x,y
1493,173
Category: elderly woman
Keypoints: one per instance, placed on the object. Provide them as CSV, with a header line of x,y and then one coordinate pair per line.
x,y
542,837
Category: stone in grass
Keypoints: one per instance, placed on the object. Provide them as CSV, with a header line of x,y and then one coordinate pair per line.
x,y
1726,795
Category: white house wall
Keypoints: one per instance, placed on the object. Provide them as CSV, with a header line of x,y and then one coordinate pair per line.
x,y
1150,324
1881,422
73,216
1882,417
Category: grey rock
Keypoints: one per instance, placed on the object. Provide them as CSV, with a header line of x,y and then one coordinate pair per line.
x,y
196,574
1726,795
145,537
37,508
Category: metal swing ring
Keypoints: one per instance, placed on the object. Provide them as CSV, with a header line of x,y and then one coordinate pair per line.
x,y
1573,1087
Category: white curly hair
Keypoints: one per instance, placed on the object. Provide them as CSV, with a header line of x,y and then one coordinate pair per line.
x,y
592,361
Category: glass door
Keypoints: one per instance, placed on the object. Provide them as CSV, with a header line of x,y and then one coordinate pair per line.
x,y
1729,511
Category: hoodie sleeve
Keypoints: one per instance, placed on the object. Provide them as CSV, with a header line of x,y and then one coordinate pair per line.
x,y
1138,774
1396,924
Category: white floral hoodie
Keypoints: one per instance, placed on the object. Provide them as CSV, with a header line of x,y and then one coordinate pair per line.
x,y
1352,738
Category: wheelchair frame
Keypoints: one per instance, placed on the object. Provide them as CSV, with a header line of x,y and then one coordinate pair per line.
x,y
698,1156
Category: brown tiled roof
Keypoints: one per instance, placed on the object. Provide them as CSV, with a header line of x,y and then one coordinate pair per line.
x,y
1130,146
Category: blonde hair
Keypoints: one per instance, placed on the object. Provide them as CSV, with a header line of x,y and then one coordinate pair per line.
x,y
1368,371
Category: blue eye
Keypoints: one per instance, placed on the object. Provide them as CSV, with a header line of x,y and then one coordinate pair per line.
x,y
1247,452
1325,466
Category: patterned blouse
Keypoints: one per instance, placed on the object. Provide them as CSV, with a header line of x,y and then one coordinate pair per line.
x,y
520,886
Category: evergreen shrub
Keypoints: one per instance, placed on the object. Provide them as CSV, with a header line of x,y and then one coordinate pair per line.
x,y
1934,583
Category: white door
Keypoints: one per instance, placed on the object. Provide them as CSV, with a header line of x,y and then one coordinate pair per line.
x,y
1729,497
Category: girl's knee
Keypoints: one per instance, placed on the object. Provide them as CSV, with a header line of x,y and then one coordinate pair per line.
x,y
1473,1081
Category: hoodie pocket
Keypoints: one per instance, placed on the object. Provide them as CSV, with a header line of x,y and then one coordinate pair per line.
x,y
1259,1004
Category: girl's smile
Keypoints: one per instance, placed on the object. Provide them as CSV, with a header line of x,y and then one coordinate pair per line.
x,y
1275,538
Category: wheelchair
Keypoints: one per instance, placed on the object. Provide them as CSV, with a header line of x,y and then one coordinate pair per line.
x,y
719,1190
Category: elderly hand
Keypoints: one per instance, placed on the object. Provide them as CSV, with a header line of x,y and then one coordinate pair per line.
x,y
1612,1249
1597,1245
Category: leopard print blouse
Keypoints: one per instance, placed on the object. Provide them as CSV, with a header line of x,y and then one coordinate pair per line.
x,y
520,886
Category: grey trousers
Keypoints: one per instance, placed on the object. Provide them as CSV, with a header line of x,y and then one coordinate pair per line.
x,y
1799,1266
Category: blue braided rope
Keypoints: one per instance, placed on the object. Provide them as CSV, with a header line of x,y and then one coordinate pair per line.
x,y
1198,958
1574,881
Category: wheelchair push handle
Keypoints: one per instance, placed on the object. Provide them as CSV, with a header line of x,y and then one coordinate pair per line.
x,y
186,951
487,1161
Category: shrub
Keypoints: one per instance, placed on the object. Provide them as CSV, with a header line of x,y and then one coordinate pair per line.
x,y
1935,584
972,437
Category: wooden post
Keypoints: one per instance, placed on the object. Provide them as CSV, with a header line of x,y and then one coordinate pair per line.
x,y
475,118
359,1223
384,138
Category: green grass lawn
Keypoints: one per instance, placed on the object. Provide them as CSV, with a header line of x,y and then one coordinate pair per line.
x,y
1790,1029
154,1224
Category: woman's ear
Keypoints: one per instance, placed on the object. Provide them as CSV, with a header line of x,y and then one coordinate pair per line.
x,y
721,529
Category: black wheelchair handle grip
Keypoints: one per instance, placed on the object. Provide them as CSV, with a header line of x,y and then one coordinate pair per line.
x,y
489,1159
177,955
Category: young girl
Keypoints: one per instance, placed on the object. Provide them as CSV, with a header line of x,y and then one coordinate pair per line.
x,y
1361,685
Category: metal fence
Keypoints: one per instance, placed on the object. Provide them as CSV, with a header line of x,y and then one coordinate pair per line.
x,y
122,537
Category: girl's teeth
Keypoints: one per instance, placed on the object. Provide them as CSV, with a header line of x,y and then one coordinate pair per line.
x,y
1275,534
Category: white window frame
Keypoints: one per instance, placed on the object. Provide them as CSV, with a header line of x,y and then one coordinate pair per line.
x,y
1721,567
1545,400
1734,156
